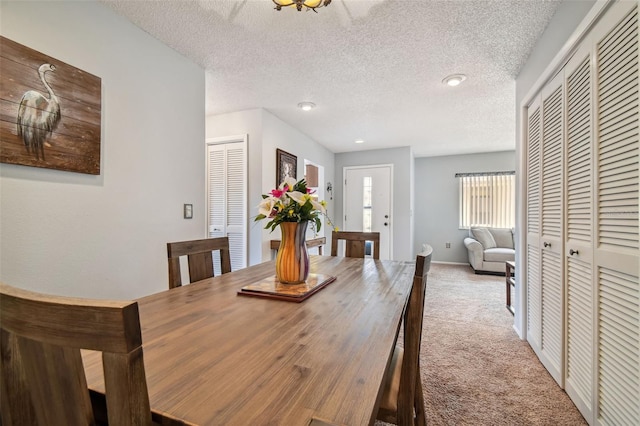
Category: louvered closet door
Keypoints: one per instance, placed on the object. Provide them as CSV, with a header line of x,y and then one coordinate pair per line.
x,y
551,352
216,189
534,320
579,231
616,250
226,192
236,214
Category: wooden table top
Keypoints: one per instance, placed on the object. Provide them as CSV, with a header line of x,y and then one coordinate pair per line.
x,y
213,357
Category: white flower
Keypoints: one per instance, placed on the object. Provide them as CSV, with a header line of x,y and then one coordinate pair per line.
x,y
288,181
266,206
302,199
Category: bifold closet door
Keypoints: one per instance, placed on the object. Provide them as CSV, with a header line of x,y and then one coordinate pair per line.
x,y
578,250
617,374
551,351
534,311
226,200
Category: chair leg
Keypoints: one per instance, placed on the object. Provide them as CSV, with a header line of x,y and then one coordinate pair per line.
x,y
419,402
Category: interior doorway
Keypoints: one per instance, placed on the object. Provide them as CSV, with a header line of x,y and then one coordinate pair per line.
x,y
227,196
367,203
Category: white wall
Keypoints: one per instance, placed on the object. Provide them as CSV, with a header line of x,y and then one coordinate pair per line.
x,y
437,203
266,134
401,158
278,134
105,236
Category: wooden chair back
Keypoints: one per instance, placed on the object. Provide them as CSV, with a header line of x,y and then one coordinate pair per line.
x,y
200,259
355,243
314,242
403,399
42,375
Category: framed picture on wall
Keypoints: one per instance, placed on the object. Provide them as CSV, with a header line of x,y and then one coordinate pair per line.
x,y
51,111
286,166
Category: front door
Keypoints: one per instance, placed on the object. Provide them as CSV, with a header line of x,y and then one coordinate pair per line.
x,y
367,195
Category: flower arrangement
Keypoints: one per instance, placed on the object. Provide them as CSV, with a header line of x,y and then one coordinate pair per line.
x,y
292,202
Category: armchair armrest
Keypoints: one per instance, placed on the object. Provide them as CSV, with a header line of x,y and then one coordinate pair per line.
x,y
476,252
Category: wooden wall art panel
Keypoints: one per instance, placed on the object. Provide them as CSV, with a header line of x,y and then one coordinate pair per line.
x,y
49,112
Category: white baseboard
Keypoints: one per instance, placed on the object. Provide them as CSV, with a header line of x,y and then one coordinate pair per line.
x,y
449,263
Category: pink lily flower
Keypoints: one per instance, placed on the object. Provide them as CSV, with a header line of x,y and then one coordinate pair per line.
x,y
277,193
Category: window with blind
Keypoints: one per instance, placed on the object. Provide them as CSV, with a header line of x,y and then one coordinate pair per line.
x,y
487,199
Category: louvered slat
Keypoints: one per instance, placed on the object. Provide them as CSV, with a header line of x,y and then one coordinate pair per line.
x,y
579,153
580,328
216,191
236,205
533,294
237,250
235,184
551,194
618,148
619,347
533,177
552,307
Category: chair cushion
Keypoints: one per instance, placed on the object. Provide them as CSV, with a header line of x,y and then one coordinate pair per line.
x,y
392,382
484,236
499,254
503,237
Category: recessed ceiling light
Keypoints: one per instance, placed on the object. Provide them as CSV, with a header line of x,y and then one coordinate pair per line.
x,y
359,141
306,106
454,79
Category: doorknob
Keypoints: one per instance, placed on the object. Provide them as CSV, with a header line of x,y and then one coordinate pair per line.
x,y
572,252
385,224
386,216
547,244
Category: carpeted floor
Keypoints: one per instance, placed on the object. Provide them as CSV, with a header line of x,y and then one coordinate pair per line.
x,y
475,369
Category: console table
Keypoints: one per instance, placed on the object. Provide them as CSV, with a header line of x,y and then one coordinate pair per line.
x,y
510,271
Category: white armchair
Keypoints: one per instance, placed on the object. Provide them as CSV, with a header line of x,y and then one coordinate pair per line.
x,y
489,249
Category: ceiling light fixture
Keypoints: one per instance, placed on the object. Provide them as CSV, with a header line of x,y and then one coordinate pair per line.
x,y
306,106
359,141
454,79
309,4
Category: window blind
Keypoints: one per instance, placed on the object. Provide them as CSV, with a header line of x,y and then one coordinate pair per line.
x,y
487,199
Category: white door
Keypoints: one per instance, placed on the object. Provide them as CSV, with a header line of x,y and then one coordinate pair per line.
x,y
227,199
551,229
367,205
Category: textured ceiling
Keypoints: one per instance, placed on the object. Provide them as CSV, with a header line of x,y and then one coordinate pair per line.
x,y
374,68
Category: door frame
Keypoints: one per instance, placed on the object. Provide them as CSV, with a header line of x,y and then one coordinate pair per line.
x,y
242,138
391,214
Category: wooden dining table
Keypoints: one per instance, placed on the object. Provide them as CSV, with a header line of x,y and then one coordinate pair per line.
x,y
213,357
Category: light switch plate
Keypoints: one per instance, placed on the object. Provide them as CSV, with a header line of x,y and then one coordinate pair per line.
x,y
188,211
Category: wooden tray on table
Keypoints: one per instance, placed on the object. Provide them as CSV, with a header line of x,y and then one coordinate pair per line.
x,y
271,288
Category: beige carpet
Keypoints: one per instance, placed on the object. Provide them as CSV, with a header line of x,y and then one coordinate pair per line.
x,y
475,369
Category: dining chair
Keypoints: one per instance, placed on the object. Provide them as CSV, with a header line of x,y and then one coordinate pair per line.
x,y
403,401
318,242
200,259
355,243
42,375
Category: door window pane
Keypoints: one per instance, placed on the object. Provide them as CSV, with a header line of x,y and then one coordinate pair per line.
x,y
366,203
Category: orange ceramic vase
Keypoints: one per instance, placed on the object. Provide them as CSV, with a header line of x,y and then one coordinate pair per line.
x,y
292,260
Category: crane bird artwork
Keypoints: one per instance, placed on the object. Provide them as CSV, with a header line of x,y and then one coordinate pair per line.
x,y
38,116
